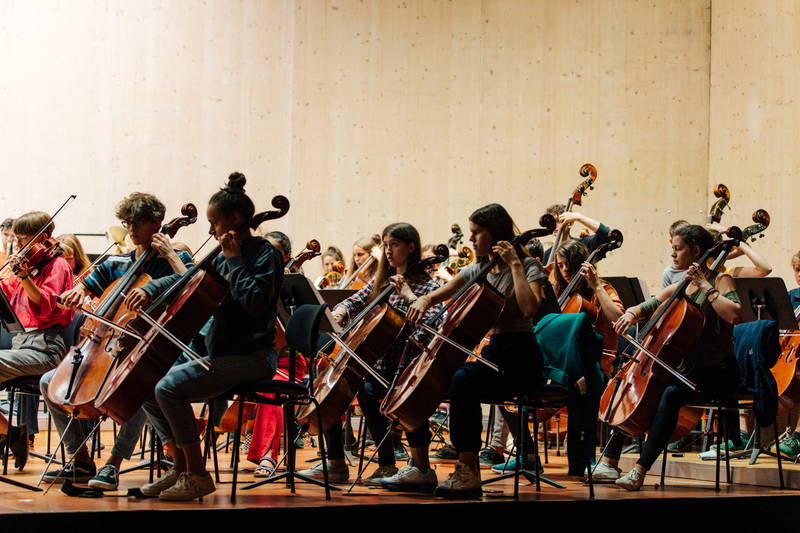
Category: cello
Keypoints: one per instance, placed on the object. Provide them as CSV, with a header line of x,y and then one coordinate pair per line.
x,y
164,329
368,335
470,315
631,397
309,252
571,301
80,375
589,172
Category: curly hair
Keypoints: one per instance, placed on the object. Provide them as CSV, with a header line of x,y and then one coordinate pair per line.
x,y
140,207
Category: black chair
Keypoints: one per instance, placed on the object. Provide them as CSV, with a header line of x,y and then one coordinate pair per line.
x,y
550,396
717,407
302,333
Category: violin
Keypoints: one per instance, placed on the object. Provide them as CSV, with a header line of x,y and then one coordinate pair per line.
x,y
311,250
360,277
32,259
332,278
81,374
368,335
589,172
571,301
180,312
632,396
472,312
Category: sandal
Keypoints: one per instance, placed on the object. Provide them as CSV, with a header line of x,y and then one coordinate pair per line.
x,y
266,467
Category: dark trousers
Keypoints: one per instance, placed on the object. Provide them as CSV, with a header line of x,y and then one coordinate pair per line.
x,y
369,399
711,382
519,357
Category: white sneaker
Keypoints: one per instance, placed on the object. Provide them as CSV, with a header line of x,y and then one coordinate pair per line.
x,y
336,473
606,473
411,479
153,489
633,480
381,473
711,453
463,483
188,487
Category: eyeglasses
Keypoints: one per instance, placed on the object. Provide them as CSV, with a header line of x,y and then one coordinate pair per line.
x,y
130,224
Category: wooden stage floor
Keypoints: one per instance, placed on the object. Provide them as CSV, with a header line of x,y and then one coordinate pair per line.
x,y
25,510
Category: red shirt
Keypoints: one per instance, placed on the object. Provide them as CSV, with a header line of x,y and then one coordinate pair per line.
x,y
54,279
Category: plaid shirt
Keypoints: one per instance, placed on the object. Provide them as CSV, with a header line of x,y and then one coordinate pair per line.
x,y
387,364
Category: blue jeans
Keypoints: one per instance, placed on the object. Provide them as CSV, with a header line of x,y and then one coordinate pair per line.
x,y
74,434
169,408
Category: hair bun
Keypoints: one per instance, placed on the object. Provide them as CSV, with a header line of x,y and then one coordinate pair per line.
x,y
236,183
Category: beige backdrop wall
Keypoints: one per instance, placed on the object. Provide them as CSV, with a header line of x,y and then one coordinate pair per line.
x,y
368,112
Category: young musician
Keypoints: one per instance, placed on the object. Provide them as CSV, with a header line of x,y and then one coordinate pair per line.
x,y
512,346
32,295
571,261
363,248
599,231
142,215
794,294
402,252
73,252
672,274
711,364
240,341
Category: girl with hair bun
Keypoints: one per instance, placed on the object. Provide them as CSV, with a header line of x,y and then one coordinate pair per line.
x,y
240,341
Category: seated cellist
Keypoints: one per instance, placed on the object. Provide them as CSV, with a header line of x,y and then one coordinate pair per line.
x,y
142,215
711,364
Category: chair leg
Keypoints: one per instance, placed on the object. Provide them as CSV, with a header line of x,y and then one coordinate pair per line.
x,y
7,450
719,448
535,449
664,468
546,437
780,463
725,435
237,437
523,427
322,452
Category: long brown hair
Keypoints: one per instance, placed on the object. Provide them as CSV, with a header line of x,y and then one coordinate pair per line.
x,y
496,220
73,248
575,253
366,244
409,235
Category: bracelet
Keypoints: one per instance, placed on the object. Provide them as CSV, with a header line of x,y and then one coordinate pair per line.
x,y
26,277
709,291
708,296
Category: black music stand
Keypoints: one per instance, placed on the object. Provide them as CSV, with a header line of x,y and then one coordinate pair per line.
x,y
10,322
628,289
333,296
764,299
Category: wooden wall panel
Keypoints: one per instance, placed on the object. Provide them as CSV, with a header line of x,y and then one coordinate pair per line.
x,y
363,113
755,147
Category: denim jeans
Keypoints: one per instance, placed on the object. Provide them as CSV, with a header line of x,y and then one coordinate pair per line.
x,y
169,408
75,433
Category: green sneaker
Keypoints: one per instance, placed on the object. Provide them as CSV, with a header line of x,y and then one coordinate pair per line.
x,y
682,445
790,445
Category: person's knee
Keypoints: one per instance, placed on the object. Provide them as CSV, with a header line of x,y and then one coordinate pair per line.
x,y
165,391
44,382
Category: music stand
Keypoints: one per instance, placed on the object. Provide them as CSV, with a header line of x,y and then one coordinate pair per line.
x,y
333,296
625,290
764,299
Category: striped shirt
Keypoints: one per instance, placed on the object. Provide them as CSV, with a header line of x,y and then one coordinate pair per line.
x,y
115,266
387,364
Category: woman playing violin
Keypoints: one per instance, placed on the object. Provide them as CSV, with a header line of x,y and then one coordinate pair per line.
x,y
402,251
240,341
142,215
32,292
512,346
571,261
711,364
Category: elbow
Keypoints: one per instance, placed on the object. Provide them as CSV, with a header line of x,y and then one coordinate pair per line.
x,y
766,271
